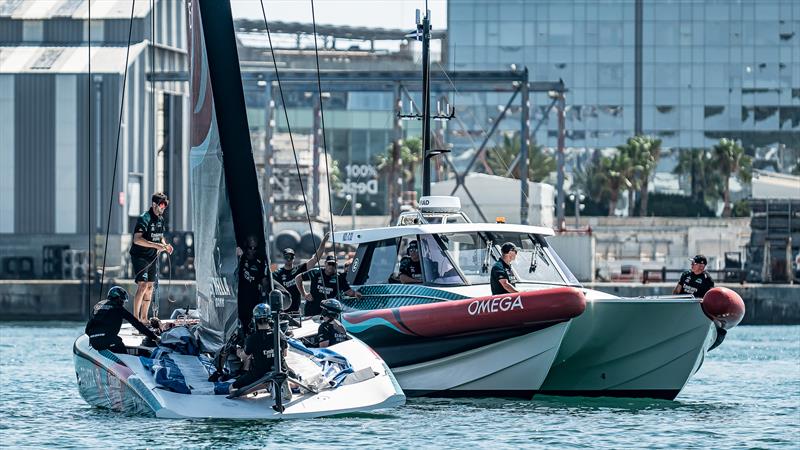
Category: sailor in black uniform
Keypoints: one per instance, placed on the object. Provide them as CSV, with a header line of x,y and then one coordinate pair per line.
x,y
325,283
331,331
410,267
106,320
259,349
148,242
252,281
286,274
695,281
502,279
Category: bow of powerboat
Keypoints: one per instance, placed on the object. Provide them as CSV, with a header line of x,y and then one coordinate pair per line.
x,y
347,377
640,347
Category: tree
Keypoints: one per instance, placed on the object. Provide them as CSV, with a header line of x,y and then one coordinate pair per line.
x,y
616,171
410,157
697,165
650,152
540,165
730,160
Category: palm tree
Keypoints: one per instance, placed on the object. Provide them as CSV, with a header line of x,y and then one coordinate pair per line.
x,y
540,165
628,154
650,152
730,160
410,157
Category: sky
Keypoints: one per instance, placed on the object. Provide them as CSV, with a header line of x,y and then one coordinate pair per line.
x,y
398,14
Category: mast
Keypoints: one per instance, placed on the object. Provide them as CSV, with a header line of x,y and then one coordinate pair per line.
x,y
426,104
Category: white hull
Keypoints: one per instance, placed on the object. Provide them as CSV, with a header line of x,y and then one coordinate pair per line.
x,y
514,367
127,386
631,348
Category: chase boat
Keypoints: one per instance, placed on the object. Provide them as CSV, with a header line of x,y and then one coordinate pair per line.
x,y
449,336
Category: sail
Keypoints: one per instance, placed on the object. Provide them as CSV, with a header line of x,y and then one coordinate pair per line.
x,y
226,205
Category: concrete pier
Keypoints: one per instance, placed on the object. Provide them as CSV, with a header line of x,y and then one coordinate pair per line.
x,y
767,304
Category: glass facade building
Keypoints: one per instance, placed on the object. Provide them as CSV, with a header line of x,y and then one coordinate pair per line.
x,y
686,71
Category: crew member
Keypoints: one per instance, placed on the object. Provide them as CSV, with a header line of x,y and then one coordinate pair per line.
x,y
502,278
258,354
286,274
410,267
106,320
331,331
148,242
252,281
325,283
695,281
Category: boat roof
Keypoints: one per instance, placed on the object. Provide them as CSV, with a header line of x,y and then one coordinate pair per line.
x,y
376,234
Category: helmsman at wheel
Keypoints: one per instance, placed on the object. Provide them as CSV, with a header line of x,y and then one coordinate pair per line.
x,y
502,279
148,242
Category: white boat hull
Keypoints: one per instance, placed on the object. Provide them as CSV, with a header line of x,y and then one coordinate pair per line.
x,y
513,367
631,348
121,383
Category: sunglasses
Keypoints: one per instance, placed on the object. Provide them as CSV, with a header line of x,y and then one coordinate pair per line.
x,y
163,205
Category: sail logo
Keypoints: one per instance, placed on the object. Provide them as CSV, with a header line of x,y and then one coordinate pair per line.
x,y
493,305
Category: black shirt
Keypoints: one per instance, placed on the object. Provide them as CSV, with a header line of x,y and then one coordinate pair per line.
x,y
251,271
696,285
411,268
286,277
326,286
152,228
107,319
332,331
261,345
501,271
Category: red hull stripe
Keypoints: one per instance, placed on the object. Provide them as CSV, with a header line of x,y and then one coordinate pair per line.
x,y
482,313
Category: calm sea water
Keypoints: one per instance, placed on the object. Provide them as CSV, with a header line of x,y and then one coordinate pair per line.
x,y
747,395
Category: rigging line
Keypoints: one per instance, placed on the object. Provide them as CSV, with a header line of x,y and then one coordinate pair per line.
x,y
116,154
288,126
89,158
324,139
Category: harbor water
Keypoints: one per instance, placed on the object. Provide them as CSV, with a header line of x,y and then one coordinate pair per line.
x,y
746,395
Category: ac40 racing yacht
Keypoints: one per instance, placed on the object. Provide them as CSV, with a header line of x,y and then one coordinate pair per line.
x,y
448,336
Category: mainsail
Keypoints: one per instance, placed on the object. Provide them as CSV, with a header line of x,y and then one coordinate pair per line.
x,y
226,205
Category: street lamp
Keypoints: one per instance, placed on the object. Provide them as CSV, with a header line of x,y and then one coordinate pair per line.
x,y
578,198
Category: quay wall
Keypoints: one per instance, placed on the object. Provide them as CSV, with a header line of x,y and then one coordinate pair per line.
x,y
766,304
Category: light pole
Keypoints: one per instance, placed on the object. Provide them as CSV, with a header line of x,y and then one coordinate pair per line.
x,y
578,198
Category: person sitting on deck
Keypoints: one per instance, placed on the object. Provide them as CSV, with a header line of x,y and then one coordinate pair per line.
x,y
258,354
106,320
410,266
331,331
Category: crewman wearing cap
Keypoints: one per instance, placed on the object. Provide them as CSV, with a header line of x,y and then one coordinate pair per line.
x,y
410,266
502,278
326,283
695,281
286,274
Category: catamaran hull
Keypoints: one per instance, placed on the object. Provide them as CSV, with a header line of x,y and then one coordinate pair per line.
x,y
514,367
121,383
501,345
631,348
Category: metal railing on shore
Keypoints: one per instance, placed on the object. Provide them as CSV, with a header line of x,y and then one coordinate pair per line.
x,y
665,275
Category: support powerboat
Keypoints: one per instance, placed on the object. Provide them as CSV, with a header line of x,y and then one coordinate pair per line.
x,y
597,344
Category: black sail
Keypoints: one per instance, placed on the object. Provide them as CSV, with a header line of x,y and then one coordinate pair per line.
x,y
226,204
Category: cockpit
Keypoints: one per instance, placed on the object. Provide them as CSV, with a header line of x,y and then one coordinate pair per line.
x,y
452,255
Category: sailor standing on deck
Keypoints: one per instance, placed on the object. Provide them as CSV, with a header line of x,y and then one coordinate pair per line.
x,y
288,272
325,283
695,281
252,275
148,242
502,278
106,320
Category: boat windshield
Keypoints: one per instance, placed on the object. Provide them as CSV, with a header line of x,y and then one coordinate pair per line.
x,y
474,253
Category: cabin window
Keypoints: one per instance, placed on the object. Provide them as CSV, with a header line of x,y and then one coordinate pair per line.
x,y
533,262
374,263
436,265
471,253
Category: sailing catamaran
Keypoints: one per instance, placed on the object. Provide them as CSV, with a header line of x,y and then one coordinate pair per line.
x,y
172,381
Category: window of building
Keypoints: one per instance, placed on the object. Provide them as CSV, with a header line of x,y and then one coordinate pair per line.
x,y
32,30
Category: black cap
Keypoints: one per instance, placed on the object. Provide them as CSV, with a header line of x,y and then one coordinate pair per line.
x,y
507,247
330,259
160,197
288,251
699,259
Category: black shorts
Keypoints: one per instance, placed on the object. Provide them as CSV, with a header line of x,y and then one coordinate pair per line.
x,y
144,269
112,343
247,379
